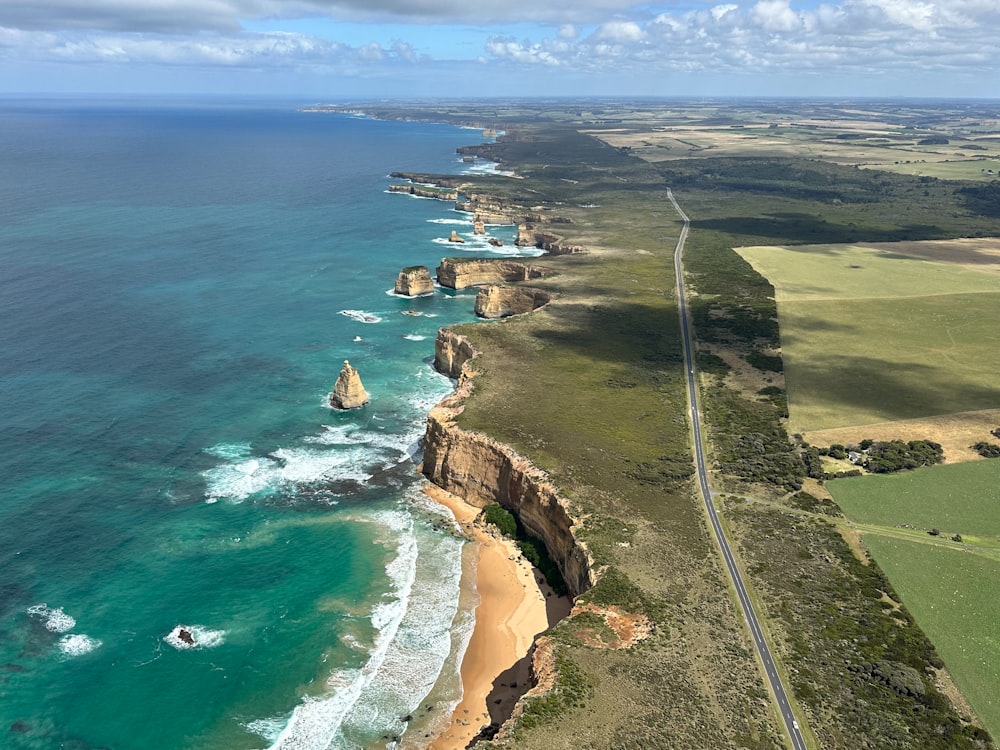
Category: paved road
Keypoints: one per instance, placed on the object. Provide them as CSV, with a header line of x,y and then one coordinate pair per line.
x,y
763,651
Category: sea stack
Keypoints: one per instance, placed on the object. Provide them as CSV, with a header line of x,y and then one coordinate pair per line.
x,y
453,237
414,281
348,392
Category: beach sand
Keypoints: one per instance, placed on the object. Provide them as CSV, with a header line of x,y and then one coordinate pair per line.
x,y
514,606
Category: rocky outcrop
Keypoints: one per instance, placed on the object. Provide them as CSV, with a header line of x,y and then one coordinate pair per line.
x,y
503,301
348,392
414,281
442,181
451,353
458,273
425,191
495,241
478,226
453,237
529,236
481,470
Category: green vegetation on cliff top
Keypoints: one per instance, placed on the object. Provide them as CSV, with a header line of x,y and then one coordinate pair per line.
x,y
591,389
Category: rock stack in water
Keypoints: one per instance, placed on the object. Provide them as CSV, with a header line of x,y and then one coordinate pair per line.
x,y
454,237
348,392
414,281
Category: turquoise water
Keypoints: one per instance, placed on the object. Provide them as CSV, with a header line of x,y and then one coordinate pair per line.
x,y
179,286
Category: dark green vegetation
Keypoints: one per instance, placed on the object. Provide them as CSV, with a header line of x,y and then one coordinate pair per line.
x,y
591,389
936,533
533,549
861,667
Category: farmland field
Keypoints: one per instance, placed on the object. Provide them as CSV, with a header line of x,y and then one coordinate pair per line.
x,y
951,594
879,334
961,498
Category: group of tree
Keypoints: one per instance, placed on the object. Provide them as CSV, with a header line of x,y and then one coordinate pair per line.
x,y
878,457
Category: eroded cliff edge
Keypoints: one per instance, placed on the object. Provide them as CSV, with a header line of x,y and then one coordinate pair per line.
x,y
481,470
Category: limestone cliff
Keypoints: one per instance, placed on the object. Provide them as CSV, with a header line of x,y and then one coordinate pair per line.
x,y
451,353
529,236
458,273
348,392
414,281
423,191
481,470
496,301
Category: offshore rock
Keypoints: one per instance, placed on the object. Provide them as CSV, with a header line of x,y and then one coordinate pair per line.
x,y
348,392
495,241
478,226
453,237
413,281
458,273
503,301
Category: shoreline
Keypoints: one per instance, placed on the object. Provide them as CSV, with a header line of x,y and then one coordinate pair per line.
x,y
515,605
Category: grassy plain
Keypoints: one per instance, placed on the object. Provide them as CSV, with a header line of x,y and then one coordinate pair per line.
x,y
957,499
951,594
878,334
591,389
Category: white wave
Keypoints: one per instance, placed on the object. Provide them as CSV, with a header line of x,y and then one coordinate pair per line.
x,y
230,451
358,338
392,293
361,316
186,637
414,337
54,620
455,222
304,465
238,481
422,643
316,722
78,644
287,467
268,729
339,435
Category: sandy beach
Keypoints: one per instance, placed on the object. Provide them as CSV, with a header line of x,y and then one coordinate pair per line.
x,y
513,608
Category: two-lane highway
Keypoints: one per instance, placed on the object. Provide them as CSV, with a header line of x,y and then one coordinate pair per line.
x,y
759,642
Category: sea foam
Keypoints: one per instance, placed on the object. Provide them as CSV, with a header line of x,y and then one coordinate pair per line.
x,y
78,644
198,636
54,619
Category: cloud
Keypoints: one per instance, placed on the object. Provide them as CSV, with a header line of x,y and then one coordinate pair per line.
x,y
850,37
273,50
185,16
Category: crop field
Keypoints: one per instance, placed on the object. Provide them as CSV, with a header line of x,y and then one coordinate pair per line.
x,y
946,585
951,594
950,169
958,499
872,335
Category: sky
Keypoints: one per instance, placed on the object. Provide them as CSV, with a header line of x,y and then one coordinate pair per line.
x,y
328,50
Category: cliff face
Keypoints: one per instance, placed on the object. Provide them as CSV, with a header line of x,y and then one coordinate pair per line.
x,y
458,273
414,281
348,392
425,192
529,236
504,301
481,470
451,352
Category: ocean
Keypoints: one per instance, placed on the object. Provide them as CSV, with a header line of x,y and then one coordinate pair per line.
x,y
195,550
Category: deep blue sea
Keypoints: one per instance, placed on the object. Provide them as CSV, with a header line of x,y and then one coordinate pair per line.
x,y
179,287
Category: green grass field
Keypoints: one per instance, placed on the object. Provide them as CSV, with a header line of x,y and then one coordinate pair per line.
x,y
952,596
949,590
957,499
873,336
960,169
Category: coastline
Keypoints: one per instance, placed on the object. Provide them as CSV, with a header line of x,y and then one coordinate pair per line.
x,y
515,605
